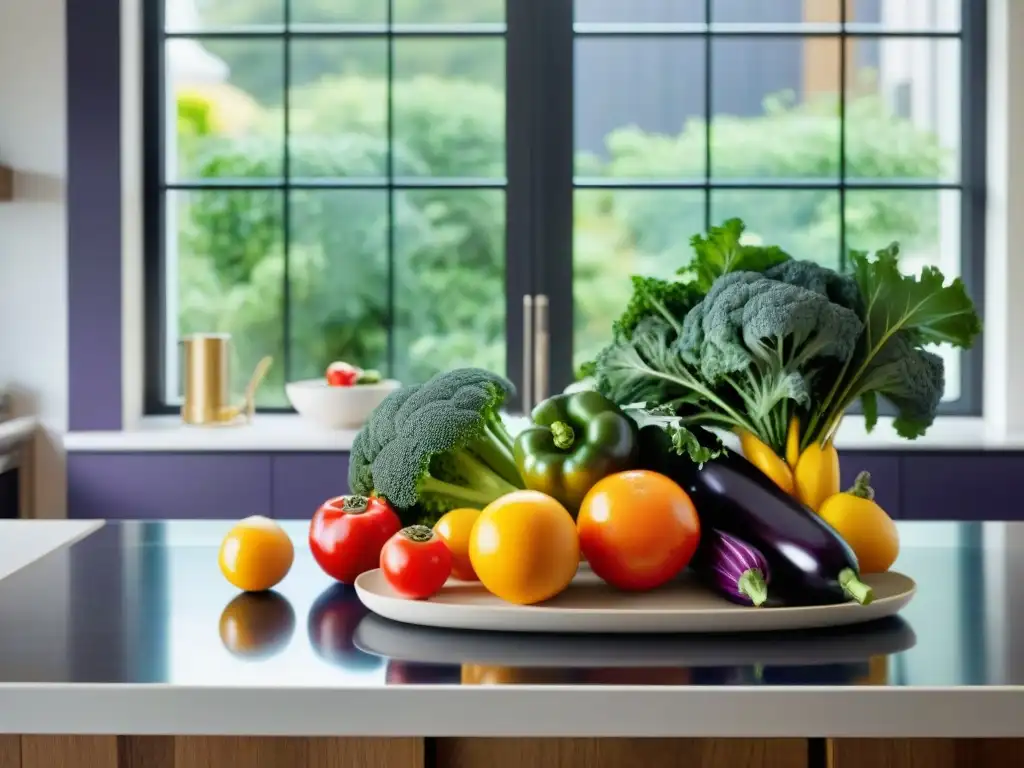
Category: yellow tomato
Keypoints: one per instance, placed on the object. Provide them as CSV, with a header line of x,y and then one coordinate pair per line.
x,y
256,554
864,525
524,547
454,529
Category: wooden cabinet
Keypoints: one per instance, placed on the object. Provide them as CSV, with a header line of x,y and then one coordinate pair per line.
x,y
302,481
289,752
910,485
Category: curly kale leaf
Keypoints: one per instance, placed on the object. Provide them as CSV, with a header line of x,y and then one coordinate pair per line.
x,y
720,252
653,297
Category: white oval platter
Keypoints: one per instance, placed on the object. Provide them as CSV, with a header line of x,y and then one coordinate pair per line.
x,y
590,605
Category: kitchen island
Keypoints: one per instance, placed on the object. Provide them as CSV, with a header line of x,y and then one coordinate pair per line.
x,y
125,648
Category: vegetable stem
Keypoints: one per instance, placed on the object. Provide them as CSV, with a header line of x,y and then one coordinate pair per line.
x,y
467,496
562,435
497,428
861,487
854,587
478,472
490,450
752,584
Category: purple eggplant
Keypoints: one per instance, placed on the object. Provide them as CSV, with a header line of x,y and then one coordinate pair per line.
x,y
810,562
731,567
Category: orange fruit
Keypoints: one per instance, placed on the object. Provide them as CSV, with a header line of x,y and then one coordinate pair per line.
x,y
256,554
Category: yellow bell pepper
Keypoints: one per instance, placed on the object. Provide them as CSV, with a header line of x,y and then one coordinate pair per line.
x,y
793,442
766,460
817,474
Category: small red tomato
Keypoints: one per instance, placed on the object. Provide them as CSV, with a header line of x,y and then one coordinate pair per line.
x,y
347,532
416,562
341,374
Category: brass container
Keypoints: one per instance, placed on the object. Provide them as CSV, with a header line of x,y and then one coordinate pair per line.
x,y
207,378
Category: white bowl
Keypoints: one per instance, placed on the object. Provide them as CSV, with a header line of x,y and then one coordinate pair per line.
x,y
337,407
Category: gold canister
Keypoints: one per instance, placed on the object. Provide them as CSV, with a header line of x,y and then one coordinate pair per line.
x,y
207,377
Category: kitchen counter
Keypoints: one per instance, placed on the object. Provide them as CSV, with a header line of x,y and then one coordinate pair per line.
x,y
131,630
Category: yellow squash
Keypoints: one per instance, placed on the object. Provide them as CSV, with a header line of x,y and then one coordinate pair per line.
x,y
793,442
864,525
817,474
764,458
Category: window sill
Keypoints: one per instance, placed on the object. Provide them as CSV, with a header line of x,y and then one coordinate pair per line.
x,y
289,433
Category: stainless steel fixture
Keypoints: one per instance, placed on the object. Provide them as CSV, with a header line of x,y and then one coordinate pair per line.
x,y
536,338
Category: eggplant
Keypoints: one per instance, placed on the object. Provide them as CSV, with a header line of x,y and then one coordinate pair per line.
x,y
731,567
810,563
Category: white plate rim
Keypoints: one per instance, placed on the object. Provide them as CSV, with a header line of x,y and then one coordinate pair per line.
x,y
545,618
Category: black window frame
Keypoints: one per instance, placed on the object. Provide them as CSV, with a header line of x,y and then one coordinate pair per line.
x,y
540,38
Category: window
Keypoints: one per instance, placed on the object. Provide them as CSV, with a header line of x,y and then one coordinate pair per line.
x,y
384,181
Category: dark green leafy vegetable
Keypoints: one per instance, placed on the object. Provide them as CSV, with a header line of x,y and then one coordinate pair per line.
x,y
901,314
433,447
721,252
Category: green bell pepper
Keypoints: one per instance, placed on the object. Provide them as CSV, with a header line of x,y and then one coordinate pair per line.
x,y
576,439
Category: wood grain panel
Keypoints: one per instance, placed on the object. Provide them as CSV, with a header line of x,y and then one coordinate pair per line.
x,y
10,751
69,752
272,752
146,751
925,753
621,753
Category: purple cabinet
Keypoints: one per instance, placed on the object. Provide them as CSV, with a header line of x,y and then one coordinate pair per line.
x,y
885,476
303,481
127,486
951,485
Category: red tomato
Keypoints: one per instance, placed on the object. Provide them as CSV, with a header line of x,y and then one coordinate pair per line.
x,y
347,533
416,562
637,529
342,374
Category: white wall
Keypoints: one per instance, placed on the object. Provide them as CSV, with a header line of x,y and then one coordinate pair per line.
x,y
33,247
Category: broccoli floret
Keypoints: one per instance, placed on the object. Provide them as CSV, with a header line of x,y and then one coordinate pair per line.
x,y
764,338
433,447
838,288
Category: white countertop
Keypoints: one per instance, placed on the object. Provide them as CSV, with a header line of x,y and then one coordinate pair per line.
x,y
342,700
25,541
285,433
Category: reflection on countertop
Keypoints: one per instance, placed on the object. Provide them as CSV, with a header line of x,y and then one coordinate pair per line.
x,y
146,603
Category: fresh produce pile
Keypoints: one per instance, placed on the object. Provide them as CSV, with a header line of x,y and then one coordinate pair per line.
x,y
630,474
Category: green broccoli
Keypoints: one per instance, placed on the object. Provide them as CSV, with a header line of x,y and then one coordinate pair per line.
x,y
432,447
910,378
764,338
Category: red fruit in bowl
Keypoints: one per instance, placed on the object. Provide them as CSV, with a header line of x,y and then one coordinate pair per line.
x,y
347,533
341,374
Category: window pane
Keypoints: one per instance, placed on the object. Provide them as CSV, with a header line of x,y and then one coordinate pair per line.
x,y
449,281
449,11
756,12
449,107
338,101
618,233
775,103
640,107
338,280
339,11
803,222
193,15
228,122
640,11
225,271
917,15
903,109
